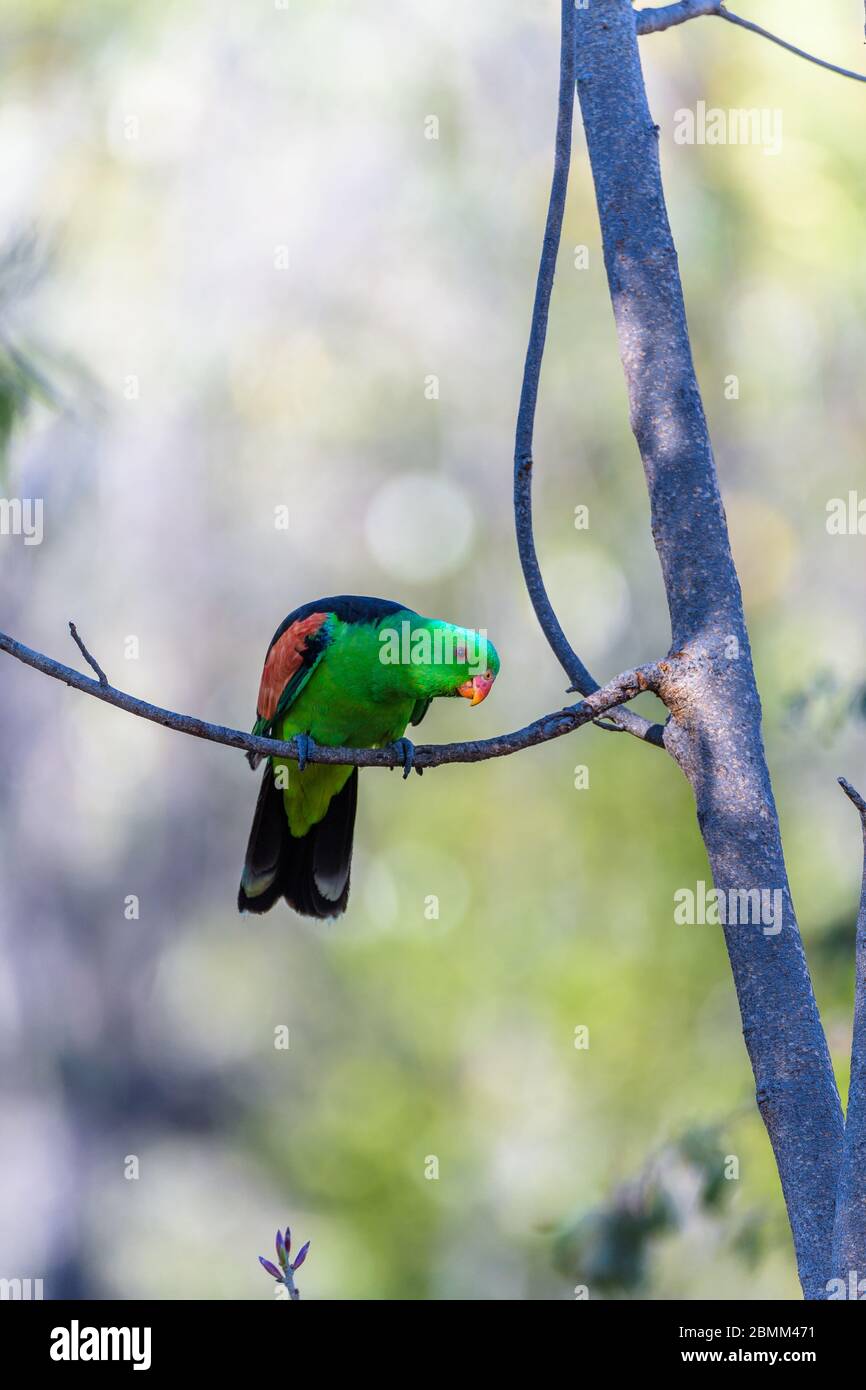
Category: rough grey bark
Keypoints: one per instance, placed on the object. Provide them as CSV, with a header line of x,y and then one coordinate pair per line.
x,y
715,729
849,1234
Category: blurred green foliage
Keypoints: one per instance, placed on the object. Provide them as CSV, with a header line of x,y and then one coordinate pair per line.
x,y
686,1189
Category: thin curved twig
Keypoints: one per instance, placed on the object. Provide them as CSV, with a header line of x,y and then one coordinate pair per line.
x,y
559,643
550,726
581,680
91,660
655,21
854,796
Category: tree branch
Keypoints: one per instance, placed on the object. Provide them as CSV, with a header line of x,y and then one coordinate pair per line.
x,y
849,1231
581,680
666,16
654,21
715,726
550,726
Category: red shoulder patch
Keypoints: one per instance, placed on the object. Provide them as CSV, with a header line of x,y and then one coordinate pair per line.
x,y
283,660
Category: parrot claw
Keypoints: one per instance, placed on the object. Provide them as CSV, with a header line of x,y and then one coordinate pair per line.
x,y
405,749
304,743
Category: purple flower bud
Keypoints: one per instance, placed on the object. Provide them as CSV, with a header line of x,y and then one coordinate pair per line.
x,y
302,1255
288,1240
281,1250
272,1269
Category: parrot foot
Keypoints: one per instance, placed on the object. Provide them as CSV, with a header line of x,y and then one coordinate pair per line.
x,y
304,744
405,750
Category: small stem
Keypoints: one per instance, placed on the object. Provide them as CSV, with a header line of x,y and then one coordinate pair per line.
x,y
91,660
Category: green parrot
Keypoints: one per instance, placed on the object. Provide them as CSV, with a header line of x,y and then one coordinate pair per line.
x,y
347,672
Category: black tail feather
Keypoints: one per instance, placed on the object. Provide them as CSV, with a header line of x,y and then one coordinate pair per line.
x,y
312,872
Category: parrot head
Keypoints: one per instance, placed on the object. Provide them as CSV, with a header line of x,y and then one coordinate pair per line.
x,y
477,688
482,671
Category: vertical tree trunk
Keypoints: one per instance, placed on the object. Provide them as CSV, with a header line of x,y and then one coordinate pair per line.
x,y
715,728
849,1235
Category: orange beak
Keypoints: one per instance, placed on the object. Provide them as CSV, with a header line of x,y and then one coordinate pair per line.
x,y
477,688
